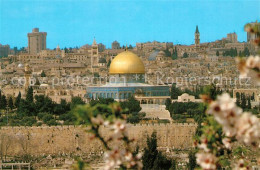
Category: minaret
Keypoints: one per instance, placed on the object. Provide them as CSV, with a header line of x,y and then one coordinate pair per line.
x,y
27,75
197,36
94,53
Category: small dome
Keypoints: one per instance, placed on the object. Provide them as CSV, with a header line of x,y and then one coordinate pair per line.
x,y
127,63
20,65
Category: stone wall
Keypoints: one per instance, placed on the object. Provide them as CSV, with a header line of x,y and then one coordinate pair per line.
x,y
45,140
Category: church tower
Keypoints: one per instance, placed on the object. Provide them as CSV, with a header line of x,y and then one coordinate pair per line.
x,y
197,36
94,54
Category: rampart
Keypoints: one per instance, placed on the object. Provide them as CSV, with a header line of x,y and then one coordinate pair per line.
x,y
45,140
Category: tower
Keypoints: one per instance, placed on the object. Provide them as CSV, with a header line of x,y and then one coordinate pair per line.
x,y
36,41
197,36
94,53
27,75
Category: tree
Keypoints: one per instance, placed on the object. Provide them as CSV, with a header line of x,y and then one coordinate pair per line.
x,y
168,103
174,54
217,53
43,74
26,108
76,101
185,55
61,108
238,99
152,158
10,103
108,63
249,103
175,92
243,101
192,160
3,102
167,52
43,104
131,104
246,52
29,95
17,100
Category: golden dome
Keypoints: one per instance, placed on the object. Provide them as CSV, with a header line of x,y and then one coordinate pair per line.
x,y
126,63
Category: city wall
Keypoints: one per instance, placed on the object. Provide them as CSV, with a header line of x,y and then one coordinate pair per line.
x,y
44,140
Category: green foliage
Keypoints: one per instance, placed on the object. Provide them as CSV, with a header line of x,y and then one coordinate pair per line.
x,y
217,53
131,105
244,53
101,101
182,107
167,52
175,92
52,122
3,102
185,55
192,160
43,74
61,108
84,113
76,101
46,118
10,103
69,117
108,63
17,100
135,117
231,52
243,101
26,108
29,95
168,102
152,158
174,54
44,104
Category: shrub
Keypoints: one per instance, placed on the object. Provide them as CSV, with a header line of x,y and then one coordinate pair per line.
x,y
47,118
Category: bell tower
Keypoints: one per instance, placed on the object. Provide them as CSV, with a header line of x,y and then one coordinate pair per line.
x,y
197,36
94,53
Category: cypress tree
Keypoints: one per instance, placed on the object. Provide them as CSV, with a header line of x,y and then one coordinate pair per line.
x,y
192,160
29,95
217,53
17,100
243,101
249,103
3,102
10,103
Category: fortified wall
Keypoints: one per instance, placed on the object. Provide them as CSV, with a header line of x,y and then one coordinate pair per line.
x,y
53,140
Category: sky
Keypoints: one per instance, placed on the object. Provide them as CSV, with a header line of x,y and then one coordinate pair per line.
x,y
71,23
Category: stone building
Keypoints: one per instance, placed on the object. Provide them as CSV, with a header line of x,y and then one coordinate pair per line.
x,y
4,50
36,41
232,37
115,45
197,36
127,79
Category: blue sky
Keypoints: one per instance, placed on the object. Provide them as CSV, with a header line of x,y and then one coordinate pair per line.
x,y
71,23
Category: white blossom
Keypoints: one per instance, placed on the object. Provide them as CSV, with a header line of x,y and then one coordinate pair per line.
x,y
248,129
227,143
226,113
207,161
99,120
